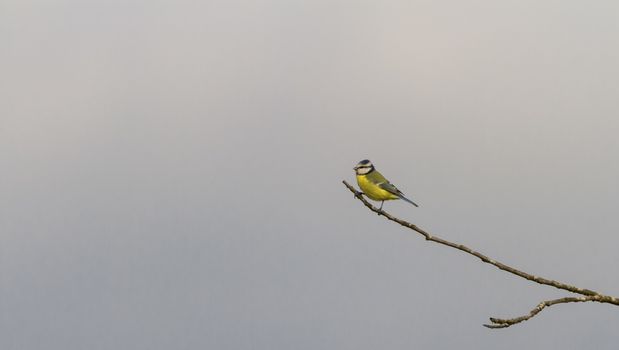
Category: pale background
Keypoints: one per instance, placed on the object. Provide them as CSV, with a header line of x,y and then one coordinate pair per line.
x,y
171,172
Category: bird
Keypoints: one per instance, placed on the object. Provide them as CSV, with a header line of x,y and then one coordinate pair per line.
x,y
375,186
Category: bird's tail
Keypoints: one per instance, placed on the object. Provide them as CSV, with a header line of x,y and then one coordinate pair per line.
x,y
408,200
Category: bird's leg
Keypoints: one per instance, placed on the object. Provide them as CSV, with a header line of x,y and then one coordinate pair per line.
x,y
381,205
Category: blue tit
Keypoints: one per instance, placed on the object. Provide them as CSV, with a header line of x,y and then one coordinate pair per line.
x,y
375,186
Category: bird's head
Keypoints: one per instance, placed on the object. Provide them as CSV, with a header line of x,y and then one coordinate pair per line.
x,y
363,167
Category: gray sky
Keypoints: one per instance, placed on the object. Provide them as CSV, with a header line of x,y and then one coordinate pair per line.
x,y
171,172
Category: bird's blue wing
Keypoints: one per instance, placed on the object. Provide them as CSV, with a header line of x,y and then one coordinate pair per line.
x,y
387,186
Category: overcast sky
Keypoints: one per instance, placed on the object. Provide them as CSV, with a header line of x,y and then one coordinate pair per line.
x,y
171,172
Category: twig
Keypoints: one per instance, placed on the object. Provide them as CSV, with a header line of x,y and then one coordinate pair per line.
x,y
504,323
589,294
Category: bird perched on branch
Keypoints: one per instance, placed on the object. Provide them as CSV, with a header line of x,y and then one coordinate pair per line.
x,y
375,186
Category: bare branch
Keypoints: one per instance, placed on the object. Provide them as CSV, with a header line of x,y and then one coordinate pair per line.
x,y
504,323
589,295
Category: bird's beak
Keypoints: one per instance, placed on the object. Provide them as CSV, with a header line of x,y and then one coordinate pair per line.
x,y
355,168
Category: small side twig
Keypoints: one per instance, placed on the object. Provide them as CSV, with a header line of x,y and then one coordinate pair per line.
x,y
504,323
589,295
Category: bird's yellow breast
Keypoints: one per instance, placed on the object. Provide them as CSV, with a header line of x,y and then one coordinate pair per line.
x,y
372,190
